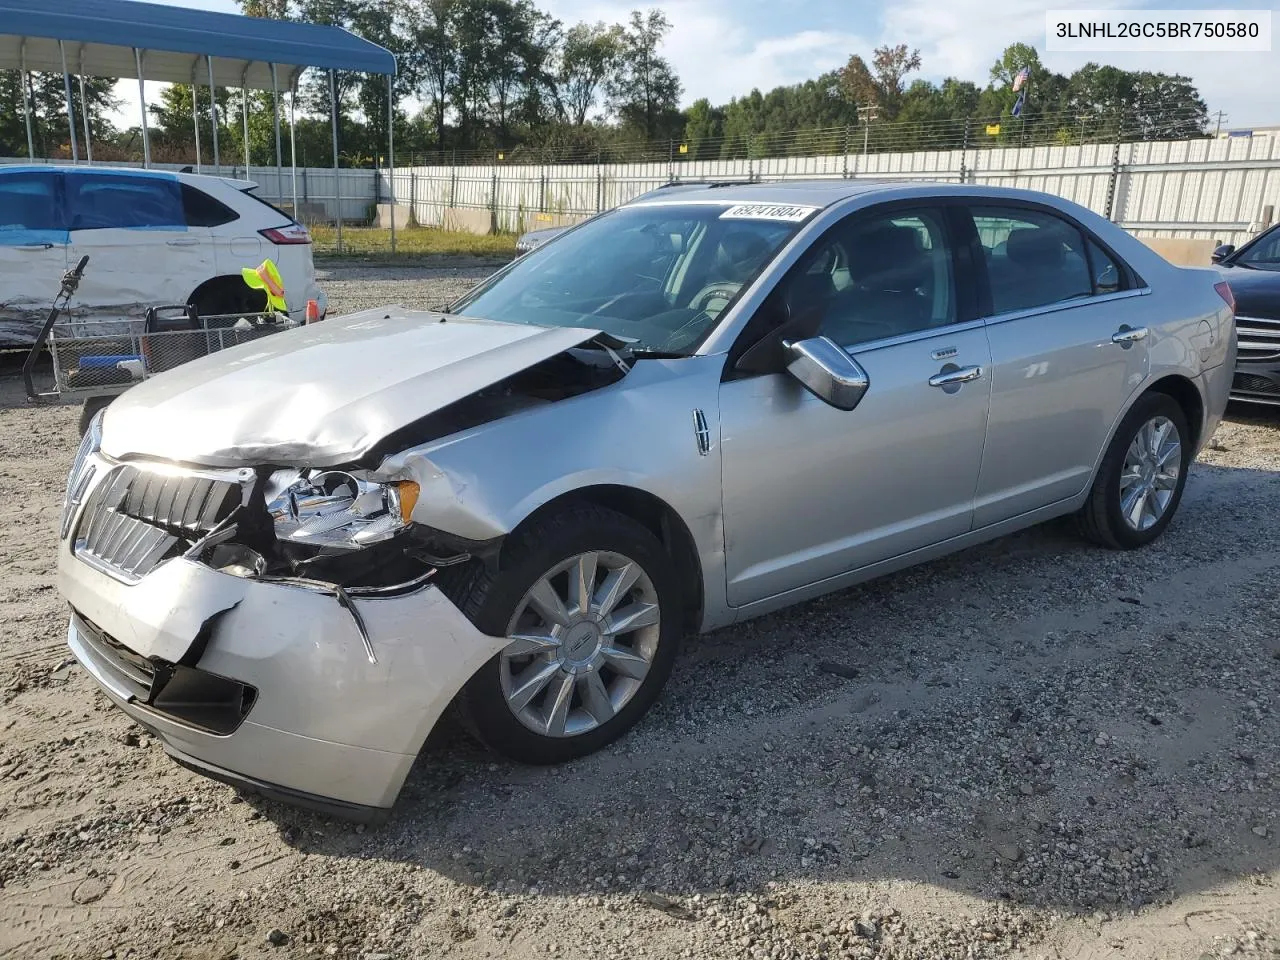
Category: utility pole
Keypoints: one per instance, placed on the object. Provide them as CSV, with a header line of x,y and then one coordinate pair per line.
x,y
1218,130
867,112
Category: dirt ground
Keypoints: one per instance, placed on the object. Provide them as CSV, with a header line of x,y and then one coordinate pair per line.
x,y
1032,749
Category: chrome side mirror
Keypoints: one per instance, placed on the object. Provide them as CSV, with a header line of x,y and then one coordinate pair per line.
x,y
827,371
1224,251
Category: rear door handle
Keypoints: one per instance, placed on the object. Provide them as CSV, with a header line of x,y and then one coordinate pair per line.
x,y
1128,335
183,242
35,246
949,378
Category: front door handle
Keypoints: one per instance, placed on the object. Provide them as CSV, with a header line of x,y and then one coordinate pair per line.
x,y
30,247
183,242
1128,335
948,378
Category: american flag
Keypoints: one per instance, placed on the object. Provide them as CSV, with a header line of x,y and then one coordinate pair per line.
x,y
1021,78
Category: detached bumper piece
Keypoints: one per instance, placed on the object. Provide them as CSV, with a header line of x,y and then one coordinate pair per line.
x,y
185,695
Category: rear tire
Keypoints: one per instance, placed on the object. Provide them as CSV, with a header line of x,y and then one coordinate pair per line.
x,y
598,666
1140,481
231,297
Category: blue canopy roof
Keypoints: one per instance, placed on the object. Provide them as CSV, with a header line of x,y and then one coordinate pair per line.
x,y
100,37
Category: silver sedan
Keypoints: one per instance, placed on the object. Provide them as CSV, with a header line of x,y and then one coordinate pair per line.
x,y
289,558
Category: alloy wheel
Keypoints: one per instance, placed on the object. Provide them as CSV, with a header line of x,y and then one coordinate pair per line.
x,y
583,639
1149,477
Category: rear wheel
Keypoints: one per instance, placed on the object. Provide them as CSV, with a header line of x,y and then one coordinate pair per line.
x,y
591,608
1140,482
228,296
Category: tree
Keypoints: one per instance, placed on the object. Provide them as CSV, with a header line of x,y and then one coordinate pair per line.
x,y
882,83
47,98
589,55
703,129
644,91
431,25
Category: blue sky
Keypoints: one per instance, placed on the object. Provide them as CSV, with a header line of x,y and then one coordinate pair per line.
x,y
724,48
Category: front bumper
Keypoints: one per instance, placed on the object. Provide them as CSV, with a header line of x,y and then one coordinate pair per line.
x,y
1257,381
1256,378
321,724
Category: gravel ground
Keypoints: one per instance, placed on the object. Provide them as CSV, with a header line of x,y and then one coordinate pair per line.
x,y
1032,749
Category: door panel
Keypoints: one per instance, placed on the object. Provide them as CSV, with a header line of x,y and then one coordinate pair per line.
x,y
142,253
811,492
1057,383
33,251
1058,379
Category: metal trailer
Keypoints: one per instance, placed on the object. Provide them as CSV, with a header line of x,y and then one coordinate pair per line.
x,y
95,361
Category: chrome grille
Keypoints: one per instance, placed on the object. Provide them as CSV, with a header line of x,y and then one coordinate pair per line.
x,y
137,517
82,470
1257,339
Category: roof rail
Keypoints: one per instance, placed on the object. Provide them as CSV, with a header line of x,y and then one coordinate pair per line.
x,y
705,183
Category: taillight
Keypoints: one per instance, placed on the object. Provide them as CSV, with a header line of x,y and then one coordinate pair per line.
x,y
1224,291
284,236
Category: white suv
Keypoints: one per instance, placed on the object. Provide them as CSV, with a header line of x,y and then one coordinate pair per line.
x,y
152,237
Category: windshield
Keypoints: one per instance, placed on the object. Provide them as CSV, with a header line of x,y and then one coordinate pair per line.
x,y
1263,255
656,275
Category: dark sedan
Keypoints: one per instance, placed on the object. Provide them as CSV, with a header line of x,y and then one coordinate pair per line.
x,y
1253,273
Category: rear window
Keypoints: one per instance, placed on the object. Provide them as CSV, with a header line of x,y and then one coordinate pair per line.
x,y
106,201
271,206
202,210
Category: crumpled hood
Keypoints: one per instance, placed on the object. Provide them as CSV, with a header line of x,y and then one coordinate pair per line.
x,y
323,394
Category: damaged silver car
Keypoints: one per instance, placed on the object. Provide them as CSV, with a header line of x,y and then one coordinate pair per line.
x,y
288,559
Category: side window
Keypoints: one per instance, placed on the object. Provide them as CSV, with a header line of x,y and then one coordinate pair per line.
x,y
1265,253
1033,259
104,201
202,210
1107,276
876,275
28,202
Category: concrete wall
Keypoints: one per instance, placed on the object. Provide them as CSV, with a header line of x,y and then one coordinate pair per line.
x,y
1209,189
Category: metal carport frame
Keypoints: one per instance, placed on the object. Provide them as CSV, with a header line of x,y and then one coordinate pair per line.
x,y
126,38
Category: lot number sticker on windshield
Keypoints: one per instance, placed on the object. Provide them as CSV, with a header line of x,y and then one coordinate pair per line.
x,y
786,212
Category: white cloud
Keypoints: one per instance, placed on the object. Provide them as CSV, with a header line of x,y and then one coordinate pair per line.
x,y
725,48
962,38
716,55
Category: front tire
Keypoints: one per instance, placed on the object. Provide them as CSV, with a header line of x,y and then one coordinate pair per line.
x,y
592,607
1140,481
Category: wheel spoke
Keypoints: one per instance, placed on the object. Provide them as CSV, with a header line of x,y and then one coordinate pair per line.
x,y
595,698
633,617
545,600
1166,481
560,697
582,582
1155,436
1130,476
524,644
531,682
616,586
1136,504
1171,451
625,662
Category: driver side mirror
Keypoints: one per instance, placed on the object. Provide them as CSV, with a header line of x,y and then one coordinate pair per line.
x,y
1224,251
827,371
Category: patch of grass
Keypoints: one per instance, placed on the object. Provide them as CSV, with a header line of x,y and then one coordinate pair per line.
x,y
412,242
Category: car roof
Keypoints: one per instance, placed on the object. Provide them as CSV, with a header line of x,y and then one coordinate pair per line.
x,y
824,193
193,178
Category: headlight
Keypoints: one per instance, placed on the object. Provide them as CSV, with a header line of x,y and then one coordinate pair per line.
x,y
81,472
337,510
